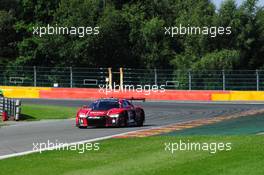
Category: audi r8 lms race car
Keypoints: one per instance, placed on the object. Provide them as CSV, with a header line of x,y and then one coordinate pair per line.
x,y
110,112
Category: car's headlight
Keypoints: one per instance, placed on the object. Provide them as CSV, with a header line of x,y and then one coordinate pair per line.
x,y
82,116
114,115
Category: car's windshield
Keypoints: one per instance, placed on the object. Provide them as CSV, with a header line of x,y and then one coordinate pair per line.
x,y
104,105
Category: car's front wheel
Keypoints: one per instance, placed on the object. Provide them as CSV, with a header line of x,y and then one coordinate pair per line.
x,y
124,119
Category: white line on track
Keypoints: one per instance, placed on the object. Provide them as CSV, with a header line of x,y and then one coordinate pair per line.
x,y
70,144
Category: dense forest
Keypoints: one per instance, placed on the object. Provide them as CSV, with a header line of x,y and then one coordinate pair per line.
x,y
132,34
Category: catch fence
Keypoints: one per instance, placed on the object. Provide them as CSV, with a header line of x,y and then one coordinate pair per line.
x,y
74,77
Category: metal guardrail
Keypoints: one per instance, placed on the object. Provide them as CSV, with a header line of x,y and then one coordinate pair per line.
x,y
9,108
93,77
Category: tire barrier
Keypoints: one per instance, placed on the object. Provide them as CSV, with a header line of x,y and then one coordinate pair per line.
x,y
10,109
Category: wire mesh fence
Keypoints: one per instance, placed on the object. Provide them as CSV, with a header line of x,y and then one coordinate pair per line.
x,y
170,79
197,80
53,77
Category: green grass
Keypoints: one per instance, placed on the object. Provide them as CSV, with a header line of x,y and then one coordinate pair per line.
x,y
143,156
240,126
39,112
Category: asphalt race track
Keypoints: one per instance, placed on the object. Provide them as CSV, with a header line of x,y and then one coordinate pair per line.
x,y
19,137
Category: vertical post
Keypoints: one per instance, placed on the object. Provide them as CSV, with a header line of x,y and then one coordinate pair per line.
x,y
9,108
4,115
190,80
121,78
12,108
257,79
4,112
71,78
156,76
35,76
17,109
4,104
110,77
224,81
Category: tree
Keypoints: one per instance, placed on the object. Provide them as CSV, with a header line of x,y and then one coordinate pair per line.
x,y
249,38
7,37
191,47
218,60
132,34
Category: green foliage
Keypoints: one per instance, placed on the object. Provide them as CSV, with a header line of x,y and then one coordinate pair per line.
x,y
157,51
132,34
224,59
7,37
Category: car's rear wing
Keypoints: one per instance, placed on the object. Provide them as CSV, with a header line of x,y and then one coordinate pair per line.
x,y
136,99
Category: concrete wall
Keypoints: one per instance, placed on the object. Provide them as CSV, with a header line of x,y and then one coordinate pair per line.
x,y
93,93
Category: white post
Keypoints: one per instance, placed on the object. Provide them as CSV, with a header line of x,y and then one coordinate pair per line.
x,y
18,110
224,81
257,74
190,80
35,76
71,77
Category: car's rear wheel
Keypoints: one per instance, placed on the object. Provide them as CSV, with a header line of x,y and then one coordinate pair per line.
x,y
82,127
141,120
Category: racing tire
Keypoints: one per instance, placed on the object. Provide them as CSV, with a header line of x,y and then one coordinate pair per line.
x,y
125,118
142,119
82,127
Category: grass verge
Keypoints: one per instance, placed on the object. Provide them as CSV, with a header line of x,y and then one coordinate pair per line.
x,y
39,112
142,156
240,126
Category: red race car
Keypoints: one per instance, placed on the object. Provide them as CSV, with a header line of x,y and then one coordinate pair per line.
x,y
110,112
